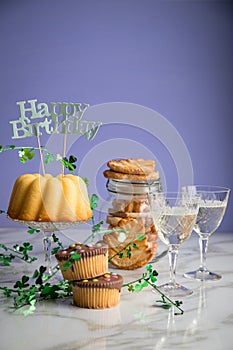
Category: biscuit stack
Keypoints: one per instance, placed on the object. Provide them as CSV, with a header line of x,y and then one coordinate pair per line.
x,y
131,214
132,169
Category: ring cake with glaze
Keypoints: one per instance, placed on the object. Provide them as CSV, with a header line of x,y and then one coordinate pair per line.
x,y
98,293
93,261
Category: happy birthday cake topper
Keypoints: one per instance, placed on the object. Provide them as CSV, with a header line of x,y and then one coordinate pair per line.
x,y
55,118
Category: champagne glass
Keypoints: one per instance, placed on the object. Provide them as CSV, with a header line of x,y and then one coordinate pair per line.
x,y
174,216
212,207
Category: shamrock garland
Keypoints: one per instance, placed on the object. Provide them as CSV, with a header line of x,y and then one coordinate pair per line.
x,y
27,153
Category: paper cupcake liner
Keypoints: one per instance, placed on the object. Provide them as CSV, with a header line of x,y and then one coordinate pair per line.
x,y
86,268
95,298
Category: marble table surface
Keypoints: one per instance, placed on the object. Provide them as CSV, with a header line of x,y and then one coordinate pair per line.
x,y
136,323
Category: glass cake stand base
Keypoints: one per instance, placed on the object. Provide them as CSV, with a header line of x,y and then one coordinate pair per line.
x,y
47,229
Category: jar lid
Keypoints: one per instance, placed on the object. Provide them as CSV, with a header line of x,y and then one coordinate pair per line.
x,y
133,187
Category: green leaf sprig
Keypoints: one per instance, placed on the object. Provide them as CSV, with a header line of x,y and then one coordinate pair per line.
x,y
72,259
69,163
149,278
58,243
6,148
95,227
31,230
86,180
94,201
27,153
28,295
126,251
20,252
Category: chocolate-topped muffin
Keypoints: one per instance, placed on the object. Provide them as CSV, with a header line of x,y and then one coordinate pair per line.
x,y
93,261
98,293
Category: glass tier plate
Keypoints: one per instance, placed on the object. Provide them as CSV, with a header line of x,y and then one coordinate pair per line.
x,y
48,226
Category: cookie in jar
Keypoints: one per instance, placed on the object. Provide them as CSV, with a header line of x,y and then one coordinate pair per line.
x,y
133,241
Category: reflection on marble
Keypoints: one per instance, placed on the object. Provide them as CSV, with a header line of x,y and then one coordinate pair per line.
x,y
136,323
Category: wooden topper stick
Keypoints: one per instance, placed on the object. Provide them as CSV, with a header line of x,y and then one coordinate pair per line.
x,y
41,156
64,152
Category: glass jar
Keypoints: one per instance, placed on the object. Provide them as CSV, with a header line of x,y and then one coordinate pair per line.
x,y
131,234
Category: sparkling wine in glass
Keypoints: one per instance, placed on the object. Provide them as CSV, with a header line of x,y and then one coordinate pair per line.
x,y
174,217
212,206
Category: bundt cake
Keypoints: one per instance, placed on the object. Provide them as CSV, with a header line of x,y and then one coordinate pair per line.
x,y
46,198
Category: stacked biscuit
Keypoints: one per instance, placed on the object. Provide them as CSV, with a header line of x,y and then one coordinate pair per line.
x,y
132,216
132,169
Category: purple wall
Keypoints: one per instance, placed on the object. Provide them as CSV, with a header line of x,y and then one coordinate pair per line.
x,y
174,57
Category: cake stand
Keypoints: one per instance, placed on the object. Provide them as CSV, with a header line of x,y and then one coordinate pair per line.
x,y
47,228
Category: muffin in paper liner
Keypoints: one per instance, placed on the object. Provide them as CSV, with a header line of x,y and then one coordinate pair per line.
x,y
98,293
93,261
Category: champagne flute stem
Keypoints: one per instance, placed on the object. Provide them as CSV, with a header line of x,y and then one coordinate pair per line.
x,y
203,243
172,254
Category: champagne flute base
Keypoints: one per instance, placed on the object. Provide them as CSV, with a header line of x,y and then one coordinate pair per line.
x,y
202,275
174,290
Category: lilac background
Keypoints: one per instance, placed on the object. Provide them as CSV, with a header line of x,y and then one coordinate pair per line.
x,y
174,57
